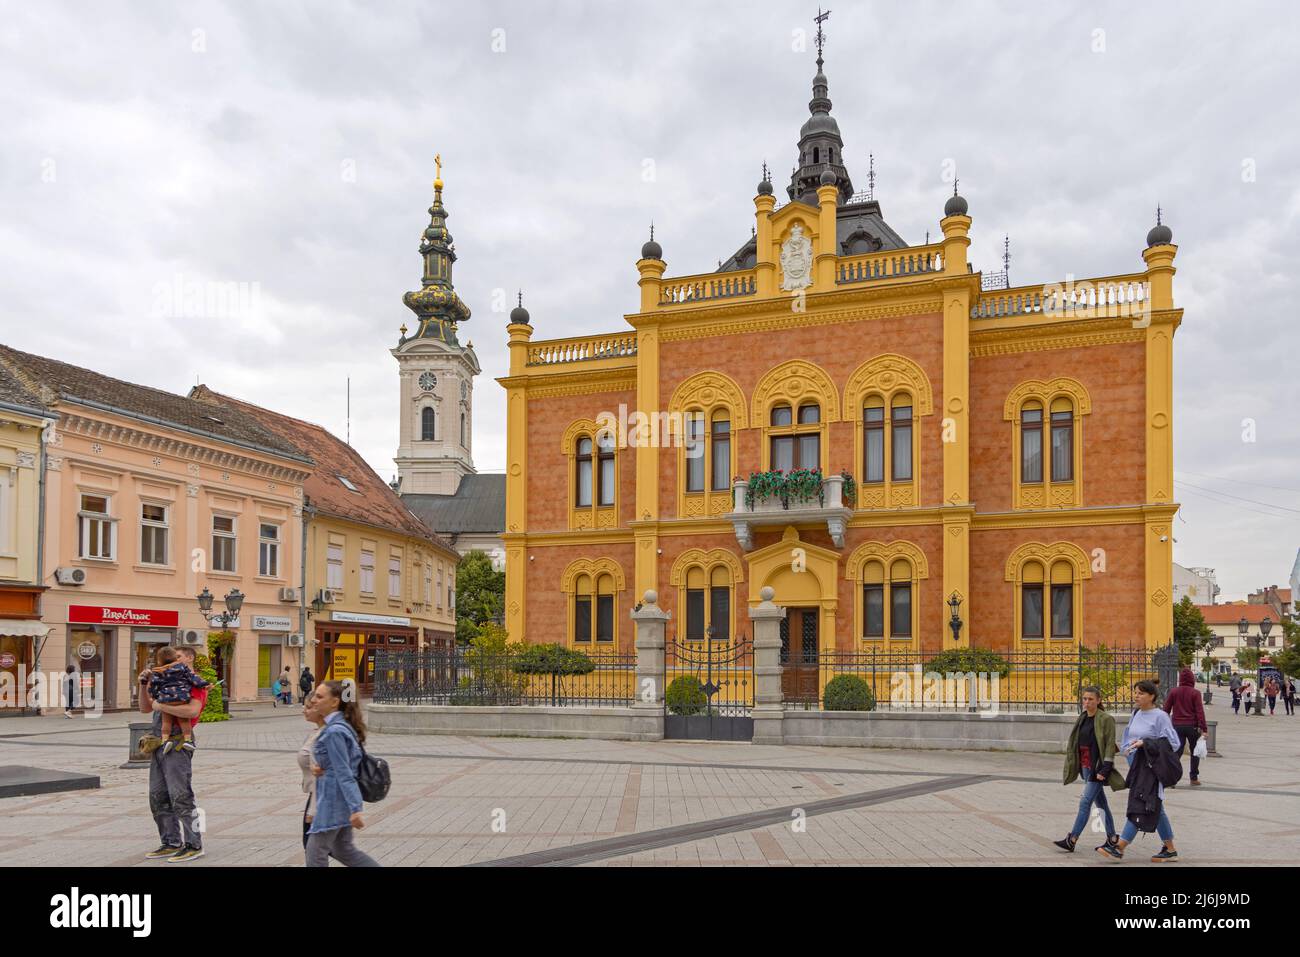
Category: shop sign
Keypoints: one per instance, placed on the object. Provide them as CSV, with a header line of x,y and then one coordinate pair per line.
x,y
345,664
362,619
8,660
138,617
271,623
87,650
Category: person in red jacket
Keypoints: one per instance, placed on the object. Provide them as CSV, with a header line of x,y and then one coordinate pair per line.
x,y
1187,714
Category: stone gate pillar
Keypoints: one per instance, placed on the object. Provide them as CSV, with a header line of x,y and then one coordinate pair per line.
x,y
651,622
769,706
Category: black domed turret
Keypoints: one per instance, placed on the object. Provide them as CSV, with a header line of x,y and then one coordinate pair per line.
x,y
765,184
828,177
651,249
1160,234
956,205
519,315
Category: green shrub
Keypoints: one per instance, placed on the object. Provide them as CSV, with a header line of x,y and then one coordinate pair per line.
x,y
979,660
848,693
686,696
552,659
213,709
1097,667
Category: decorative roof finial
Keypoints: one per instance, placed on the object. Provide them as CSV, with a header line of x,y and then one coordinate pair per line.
x,y
821,37
1158,211
871,176
651,249
954,185
437,181
519,315
521,297
1006,258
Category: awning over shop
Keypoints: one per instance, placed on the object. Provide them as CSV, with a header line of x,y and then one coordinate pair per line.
x,y
23,628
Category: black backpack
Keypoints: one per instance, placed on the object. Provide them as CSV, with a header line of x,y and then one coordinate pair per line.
x,y
373,778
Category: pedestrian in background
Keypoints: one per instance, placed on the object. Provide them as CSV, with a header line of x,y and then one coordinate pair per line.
x,y
69,690
306,683
1271,689
1234,685
1187,712
1288,696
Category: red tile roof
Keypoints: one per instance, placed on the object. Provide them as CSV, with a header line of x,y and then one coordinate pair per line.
x,y
372,503
1231,614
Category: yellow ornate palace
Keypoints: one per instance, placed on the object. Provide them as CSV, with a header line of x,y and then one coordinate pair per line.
x,y
873,428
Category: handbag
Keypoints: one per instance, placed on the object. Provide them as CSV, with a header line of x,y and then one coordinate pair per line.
x,y
373,778
1201,749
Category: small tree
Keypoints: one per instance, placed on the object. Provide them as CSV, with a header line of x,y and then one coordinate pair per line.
x,y
1191,633
685,696
1097,668
480,594
1288,659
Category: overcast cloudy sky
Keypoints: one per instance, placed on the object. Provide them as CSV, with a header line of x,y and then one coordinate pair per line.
x,y
289,147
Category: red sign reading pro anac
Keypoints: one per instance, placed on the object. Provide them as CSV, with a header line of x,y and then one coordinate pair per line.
x,y
137,617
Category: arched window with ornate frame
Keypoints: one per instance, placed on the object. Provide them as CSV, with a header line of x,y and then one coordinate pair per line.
x,y
428,424
1047,442
591,587
887,606
706,592
591,454
1047,594
885,398
711,409
793,404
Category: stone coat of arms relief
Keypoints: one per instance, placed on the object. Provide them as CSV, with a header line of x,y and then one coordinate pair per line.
x,y
796,260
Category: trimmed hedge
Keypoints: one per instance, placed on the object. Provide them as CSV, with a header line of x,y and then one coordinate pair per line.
x,y
979,660
686,696
848,693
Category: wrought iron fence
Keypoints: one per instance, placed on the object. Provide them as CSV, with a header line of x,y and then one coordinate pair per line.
x,y
468,676
1037,681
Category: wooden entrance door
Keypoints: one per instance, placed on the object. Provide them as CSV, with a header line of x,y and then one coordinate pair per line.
x,y
800,641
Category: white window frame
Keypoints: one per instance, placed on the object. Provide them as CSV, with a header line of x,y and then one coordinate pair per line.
x,y
428,585
160,527
394,577
231,536
334,566
439,591
104,520
367,571
268,546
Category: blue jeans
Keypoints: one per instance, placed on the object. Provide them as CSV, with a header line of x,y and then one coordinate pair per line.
x,y
1163,828
1094,792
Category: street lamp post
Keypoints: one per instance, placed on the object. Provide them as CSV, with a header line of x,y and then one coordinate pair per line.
x,y
1265,627
234,600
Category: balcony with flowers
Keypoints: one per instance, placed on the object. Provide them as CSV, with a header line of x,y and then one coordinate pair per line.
x,y
777,498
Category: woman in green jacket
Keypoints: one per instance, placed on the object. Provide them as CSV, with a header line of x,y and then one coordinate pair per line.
x,y
1090,754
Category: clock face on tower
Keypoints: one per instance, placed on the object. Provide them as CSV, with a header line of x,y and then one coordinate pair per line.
x,y
427,381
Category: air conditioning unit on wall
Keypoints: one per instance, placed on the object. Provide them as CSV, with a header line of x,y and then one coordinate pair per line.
x,y
328,596
70,576
294,640
190,637
289,594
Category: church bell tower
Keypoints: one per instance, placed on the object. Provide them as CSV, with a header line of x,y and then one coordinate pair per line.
x,y
435,449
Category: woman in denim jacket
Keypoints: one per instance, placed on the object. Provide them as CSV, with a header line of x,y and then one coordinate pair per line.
x,y
338,798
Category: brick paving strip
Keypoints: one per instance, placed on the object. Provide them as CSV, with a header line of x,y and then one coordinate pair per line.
x,y
682,833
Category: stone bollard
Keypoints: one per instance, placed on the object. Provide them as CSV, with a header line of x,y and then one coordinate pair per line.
x,y
135,757
651,622
769,701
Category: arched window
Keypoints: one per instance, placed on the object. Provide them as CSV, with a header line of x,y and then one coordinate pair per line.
x,y
695,449
428,422
582,611
720,450
1062,600
707,602
1047,442
463,443
900,428
1062,440
795,442
887,601
605,610
605,483
583,483
1048,582
900,599
1031,601
873,440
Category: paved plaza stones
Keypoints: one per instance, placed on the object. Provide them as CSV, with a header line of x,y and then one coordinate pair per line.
x,y
487,801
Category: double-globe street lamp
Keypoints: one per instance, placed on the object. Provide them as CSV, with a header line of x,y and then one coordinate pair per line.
x,y
1265,626
234,601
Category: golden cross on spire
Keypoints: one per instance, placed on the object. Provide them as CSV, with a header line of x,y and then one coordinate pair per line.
x,y
437,183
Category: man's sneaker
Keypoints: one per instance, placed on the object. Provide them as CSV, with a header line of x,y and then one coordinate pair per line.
x,y
166,850
1165,856
187,747
1111,852
167,748
186,853
1067,843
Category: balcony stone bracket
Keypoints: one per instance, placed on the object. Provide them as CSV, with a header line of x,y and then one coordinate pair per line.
x,y
771,513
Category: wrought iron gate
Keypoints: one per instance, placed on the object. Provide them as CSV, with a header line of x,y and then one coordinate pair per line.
x,y
724,671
